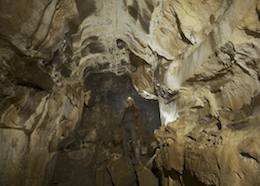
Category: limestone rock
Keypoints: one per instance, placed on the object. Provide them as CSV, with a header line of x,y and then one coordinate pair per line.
x,y
66,142
145,176
66,68
121,170
102,176
101,157
73,164
91,136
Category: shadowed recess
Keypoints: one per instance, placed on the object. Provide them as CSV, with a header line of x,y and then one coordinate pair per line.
x,y
85,8
191,180
184,38
135,60
252,33
30,85
258,13
120,44
93,46
149,5
145,21
133,10
108,88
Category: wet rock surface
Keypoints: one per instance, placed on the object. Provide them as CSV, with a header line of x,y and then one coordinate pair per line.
x,y
67,67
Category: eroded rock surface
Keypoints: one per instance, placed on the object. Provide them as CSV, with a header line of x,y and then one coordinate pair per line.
x,y
66,68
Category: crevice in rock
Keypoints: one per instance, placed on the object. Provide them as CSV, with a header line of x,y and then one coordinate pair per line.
x,y
247,155
219,126
239,175
229,49
198,77
29,132
242,68
110,176
183,37
30,85
3,126
189,136
255,34
258,13
72,103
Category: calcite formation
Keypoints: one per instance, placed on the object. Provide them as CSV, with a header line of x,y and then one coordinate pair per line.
x,y
67,66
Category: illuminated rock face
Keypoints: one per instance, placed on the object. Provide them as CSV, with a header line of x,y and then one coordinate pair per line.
x,y
199,60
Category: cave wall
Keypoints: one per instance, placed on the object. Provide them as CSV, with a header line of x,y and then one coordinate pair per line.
x,y
199,60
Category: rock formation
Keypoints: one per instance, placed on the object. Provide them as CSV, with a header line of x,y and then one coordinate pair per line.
x,y
67,66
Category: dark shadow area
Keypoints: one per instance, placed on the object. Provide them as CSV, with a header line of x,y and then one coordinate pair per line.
x,y
191,180
109,90
31,85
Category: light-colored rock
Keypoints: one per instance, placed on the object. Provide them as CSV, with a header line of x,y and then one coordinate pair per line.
x,y
198,59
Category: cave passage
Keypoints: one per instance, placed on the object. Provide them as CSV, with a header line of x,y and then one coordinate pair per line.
x,y
94,150
111,91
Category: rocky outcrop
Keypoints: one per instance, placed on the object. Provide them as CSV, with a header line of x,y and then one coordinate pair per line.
x,y
67,67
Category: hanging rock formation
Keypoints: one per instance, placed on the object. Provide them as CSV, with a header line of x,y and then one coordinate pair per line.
x,y
67,66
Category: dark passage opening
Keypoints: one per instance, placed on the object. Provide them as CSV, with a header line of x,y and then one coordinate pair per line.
x,y
110,90
94,153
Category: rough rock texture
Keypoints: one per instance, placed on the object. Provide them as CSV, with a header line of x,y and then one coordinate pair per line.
x,y
66,67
